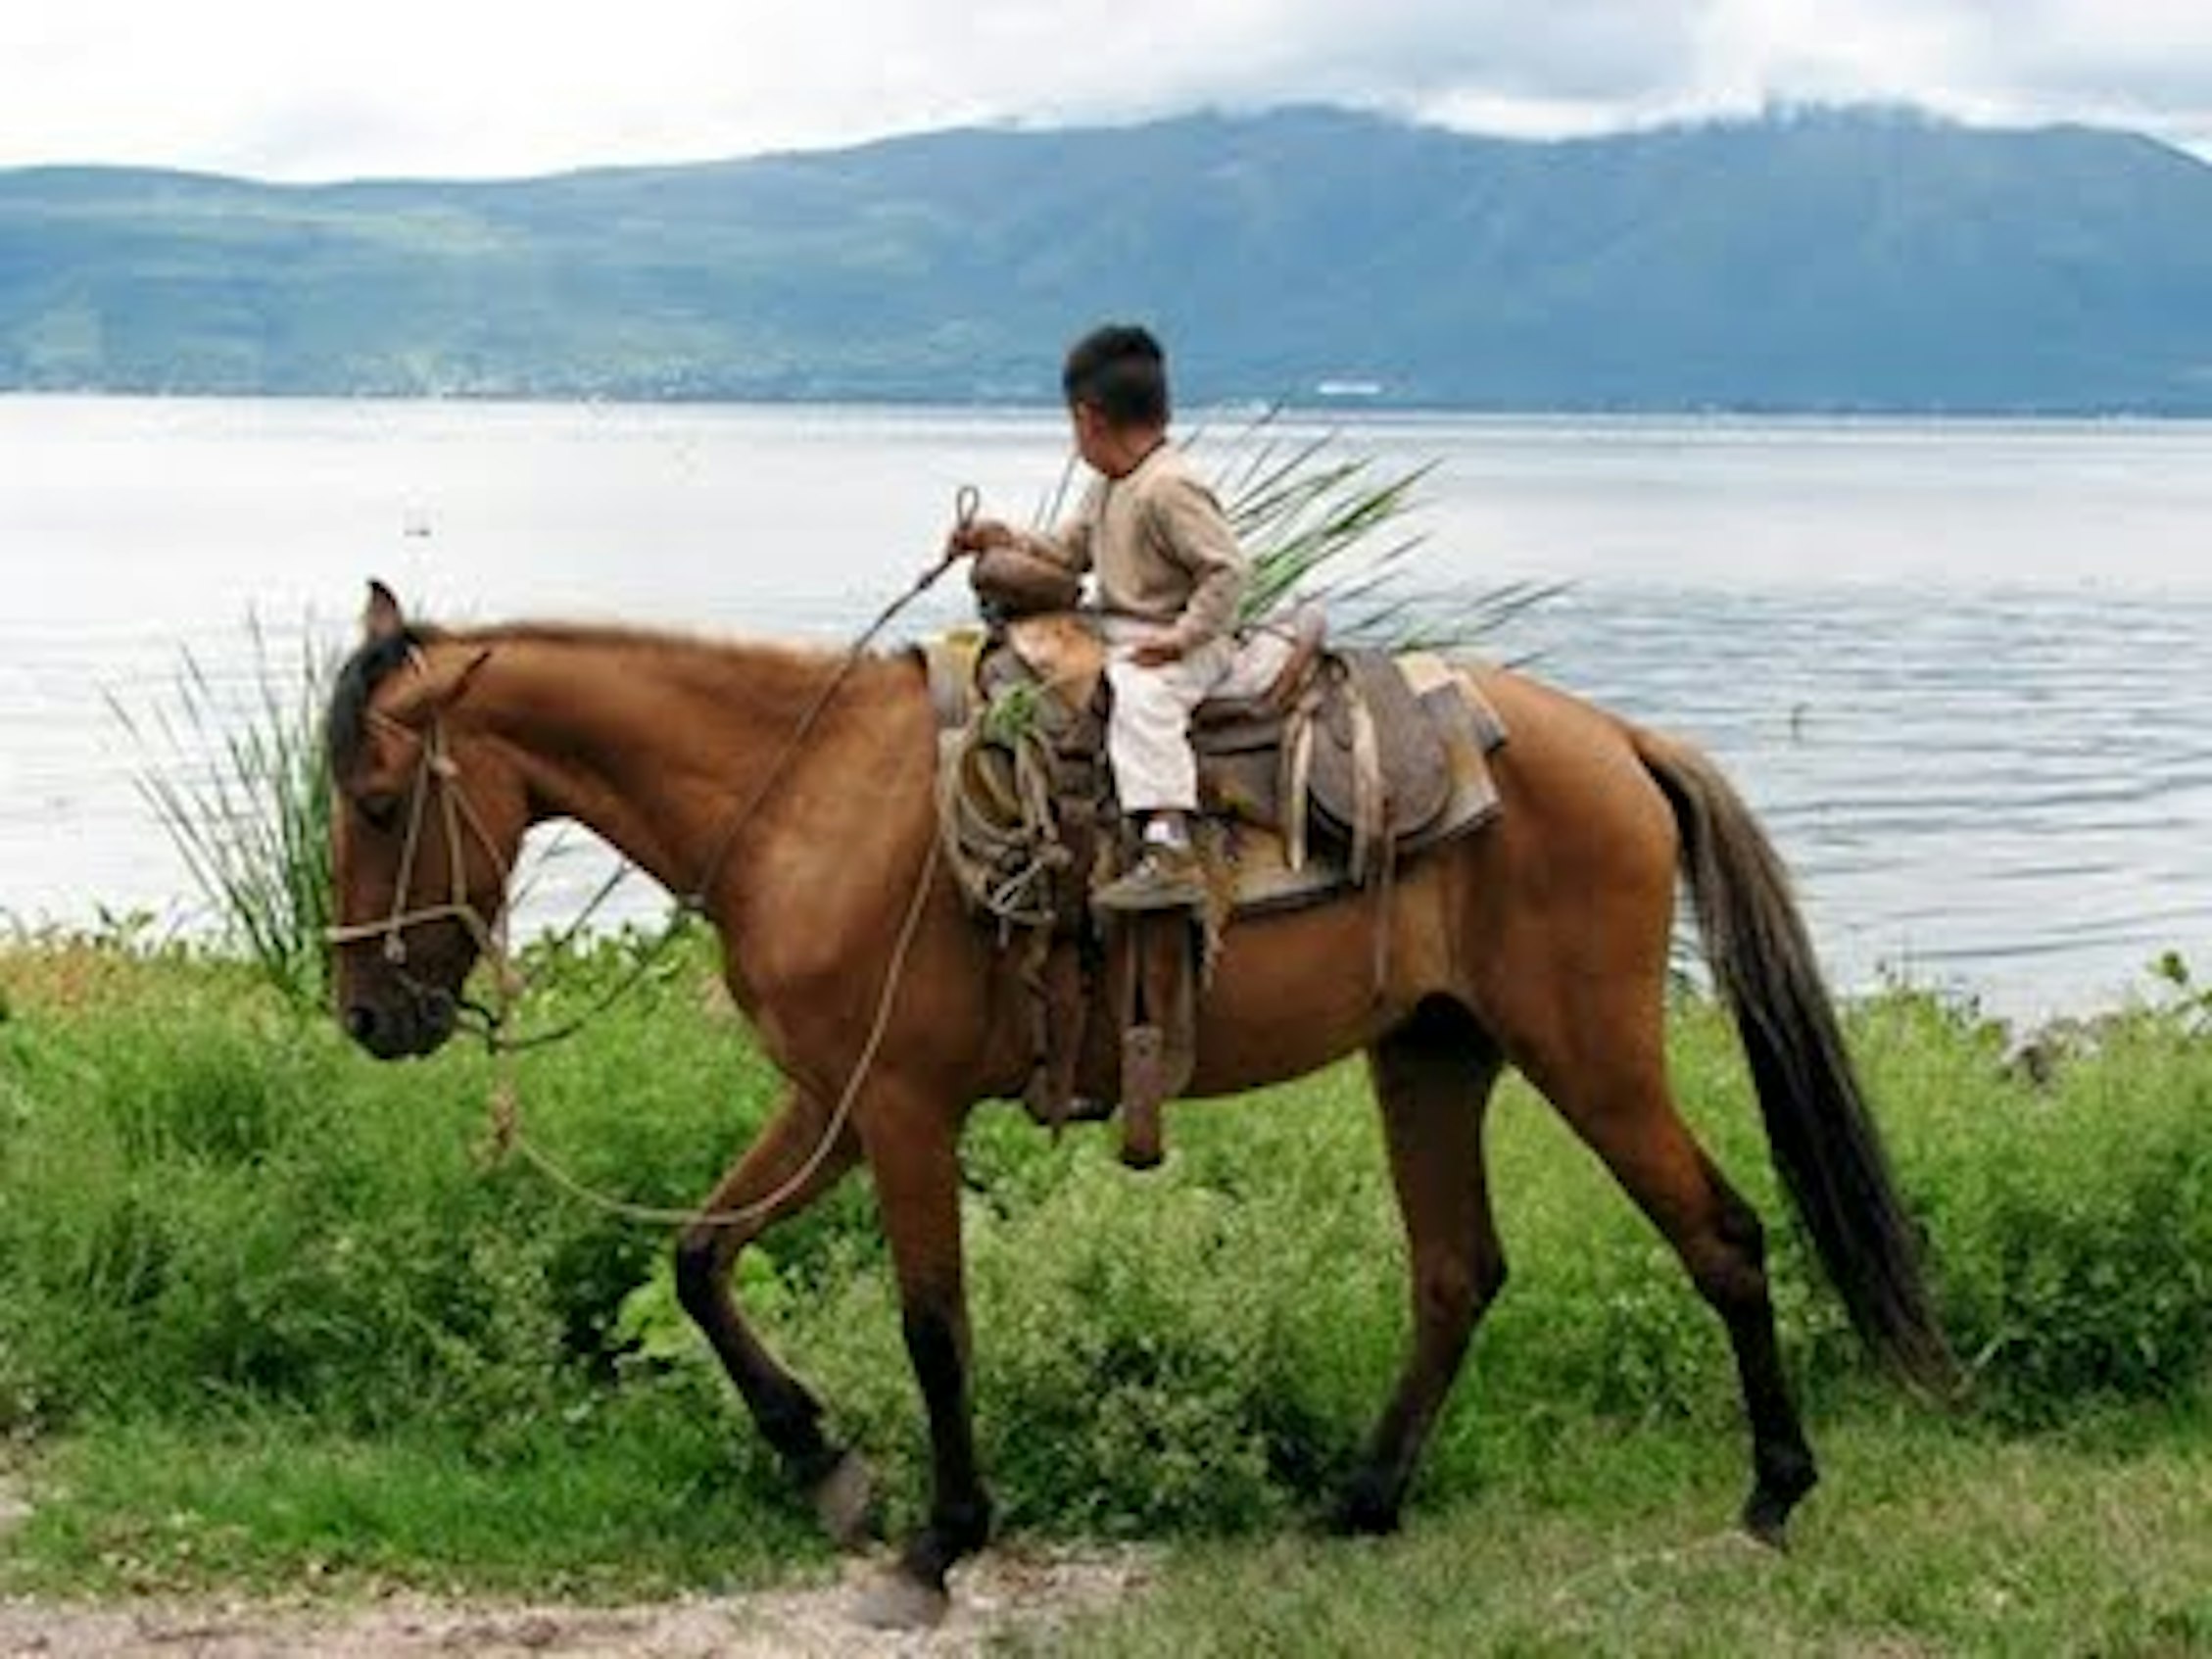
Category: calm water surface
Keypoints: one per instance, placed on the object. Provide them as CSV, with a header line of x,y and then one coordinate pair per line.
x,y
1958,668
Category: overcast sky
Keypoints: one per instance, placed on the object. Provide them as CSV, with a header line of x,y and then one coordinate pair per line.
x,y
297,89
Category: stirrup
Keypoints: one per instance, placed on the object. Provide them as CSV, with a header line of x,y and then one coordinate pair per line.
x,y
1164,877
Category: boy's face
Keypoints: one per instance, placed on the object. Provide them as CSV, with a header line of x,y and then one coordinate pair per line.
x,y
1091,433
1102,445
1107,448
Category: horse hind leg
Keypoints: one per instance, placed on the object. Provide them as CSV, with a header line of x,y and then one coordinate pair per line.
x,y
1631,1123
1432,1081
787,1167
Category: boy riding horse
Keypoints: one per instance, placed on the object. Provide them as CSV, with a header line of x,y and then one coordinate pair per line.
x,y
1169,579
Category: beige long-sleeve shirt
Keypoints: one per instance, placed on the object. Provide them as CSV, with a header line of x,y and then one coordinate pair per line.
x,y
1162,547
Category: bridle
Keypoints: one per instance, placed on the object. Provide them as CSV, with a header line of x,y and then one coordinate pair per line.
x,y
437,772
435,769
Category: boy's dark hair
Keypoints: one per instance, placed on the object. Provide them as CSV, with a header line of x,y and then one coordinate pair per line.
x,y
1121,371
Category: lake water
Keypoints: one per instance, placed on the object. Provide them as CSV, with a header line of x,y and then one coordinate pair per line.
x,y
1960,668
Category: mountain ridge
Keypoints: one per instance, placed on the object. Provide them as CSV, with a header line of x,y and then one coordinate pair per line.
x,y
1837,261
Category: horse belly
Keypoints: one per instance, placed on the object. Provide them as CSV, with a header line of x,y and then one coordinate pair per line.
x,y
1293,993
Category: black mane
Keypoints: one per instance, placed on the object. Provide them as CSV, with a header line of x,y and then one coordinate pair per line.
x,y
346,728
798,671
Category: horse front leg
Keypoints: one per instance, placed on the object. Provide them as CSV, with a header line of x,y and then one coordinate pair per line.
x,y
912,1152
789,1166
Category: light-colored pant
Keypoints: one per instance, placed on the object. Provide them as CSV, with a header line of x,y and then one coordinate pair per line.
x,y
1148,733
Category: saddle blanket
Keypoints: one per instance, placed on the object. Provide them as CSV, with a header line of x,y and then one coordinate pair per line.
x,y
1259,859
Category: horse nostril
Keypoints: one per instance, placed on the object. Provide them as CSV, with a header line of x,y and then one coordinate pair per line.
x,y
361,1022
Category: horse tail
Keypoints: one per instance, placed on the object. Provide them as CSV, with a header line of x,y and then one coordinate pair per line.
x,y
1824,1141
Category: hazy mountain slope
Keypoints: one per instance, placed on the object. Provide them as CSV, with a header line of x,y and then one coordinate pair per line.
x,y
1835,260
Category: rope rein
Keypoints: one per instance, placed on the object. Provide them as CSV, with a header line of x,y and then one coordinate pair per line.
x,y
437,772
506,1117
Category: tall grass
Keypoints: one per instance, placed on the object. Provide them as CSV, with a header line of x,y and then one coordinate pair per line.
x,y
242,790
207,1206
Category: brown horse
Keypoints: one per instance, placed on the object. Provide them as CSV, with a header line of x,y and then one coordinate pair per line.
x,y
1541,943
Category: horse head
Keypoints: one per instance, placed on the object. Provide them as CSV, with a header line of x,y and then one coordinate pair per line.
x,y
426,823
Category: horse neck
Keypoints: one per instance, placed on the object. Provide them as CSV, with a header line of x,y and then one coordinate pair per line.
x,y
688,756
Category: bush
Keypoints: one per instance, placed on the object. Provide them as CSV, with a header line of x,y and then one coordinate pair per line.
x,y
1194,1348
2071,1221
207,1200
209,1206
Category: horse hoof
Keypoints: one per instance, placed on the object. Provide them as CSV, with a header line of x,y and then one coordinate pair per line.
x,y
899,1601
1364,1511
845,1501
1766,1521
1347,1521
1780,1488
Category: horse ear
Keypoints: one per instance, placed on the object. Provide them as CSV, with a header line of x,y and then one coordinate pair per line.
x,y
380,618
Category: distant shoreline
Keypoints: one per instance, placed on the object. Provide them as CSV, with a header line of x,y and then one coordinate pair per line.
x,y
1351,410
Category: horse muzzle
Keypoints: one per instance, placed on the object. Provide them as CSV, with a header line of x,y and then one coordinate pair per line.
x,y
418,1024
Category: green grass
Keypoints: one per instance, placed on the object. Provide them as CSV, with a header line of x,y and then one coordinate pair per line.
x,y
267,1314
645,1505
1929,1538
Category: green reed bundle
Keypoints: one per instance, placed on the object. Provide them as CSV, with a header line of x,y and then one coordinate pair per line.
x,y
244,797
1332,529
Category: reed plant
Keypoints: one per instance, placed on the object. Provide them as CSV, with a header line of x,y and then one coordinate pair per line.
x,y
1327,525
239,783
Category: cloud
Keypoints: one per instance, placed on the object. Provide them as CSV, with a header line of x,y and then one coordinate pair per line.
x,y
2139,63
494,86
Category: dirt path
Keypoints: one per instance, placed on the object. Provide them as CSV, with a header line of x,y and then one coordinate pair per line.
x,y
1004,1592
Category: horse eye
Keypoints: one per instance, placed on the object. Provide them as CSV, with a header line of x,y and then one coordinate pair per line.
x,y
380,812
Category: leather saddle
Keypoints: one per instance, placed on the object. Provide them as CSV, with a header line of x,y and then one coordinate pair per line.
x,y
1341,763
